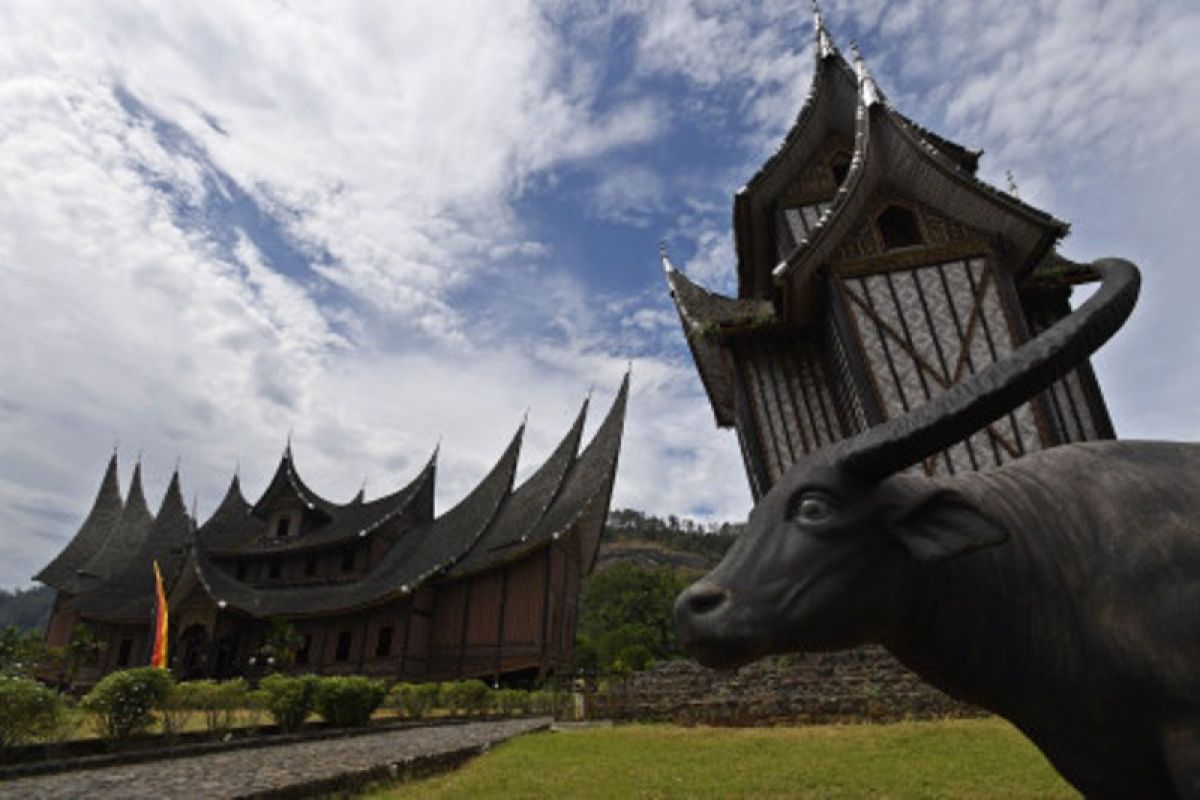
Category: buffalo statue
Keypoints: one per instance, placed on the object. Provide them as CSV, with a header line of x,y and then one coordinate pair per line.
x,y
1060,591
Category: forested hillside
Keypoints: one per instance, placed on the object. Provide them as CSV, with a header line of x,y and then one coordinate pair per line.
x,y
26,608
625,618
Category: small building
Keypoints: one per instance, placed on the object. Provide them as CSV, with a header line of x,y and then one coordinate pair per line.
x,y
874,271
381,587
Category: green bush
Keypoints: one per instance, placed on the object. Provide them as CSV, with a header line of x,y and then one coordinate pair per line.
x,y
466,697
31,711
349,702
511,701
123,703
218,701
416,700
289,700
254,705
543,701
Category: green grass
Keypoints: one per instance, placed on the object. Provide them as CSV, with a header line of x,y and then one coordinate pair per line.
x,y
955,758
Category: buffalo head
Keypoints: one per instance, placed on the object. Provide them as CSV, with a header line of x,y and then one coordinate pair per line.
x,y
825,560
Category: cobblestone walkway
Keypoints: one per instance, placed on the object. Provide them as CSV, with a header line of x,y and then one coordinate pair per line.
x,y
245,772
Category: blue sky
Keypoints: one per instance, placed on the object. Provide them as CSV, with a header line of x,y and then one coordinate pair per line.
x,y
381,225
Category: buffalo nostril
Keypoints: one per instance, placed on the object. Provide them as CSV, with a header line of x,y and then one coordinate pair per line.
x,y
706,598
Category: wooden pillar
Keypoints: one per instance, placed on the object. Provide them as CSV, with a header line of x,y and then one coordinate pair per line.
x,y
467,584
500,625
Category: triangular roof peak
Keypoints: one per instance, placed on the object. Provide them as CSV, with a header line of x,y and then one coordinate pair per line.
x,y
825,43
287,483
90,538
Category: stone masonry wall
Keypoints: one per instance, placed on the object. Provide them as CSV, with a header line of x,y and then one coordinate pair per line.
x,y
861,685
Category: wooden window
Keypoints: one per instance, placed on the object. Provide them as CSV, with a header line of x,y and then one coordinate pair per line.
x,y
123,652
898,228
310,566
383,645
348,559
342,653
283,528
305,649
275,569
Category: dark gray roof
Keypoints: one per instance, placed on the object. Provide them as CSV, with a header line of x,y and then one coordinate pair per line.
x,y
124,540
237,531
95,530
835,104
128,594
416,556
286,483
447,545
231,525
889,152
526,506
588,487
705,317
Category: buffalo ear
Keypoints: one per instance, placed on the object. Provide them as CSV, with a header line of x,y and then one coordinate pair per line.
x,y
943,524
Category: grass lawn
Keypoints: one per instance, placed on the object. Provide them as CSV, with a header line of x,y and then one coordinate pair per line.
x,y
954,758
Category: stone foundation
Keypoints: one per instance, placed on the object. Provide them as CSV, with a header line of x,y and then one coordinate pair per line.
x,y
862,685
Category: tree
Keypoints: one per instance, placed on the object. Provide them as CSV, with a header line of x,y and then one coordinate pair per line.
x,y
626,617
20,651
281,643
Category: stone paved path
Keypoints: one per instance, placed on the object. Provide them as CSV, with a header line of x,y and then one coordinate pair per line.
x,y
241,772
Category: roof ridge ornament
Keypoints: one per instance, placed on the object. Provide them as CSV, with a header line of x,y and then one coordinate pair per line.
x,y
868,91
1012,184
825,45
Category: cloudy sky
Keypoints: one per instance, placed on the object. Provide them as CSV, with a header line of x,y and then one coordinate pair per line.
x,y
378,225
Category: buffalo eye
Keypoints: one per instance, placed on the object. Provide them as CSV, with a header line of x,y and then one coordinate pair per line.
x,y
812,509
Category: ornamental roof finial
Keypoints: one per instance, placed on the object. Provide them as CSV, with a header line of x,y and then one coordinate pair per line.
x,y
825,44
666,260
867,88
1012,184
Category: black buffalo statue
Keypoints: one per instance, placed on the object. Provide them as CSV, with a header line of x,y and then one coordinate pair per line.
x,y
1061,591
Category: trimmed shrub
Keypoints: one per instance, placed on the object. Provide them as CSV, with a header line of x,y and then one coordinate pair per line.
x,y
218,701
543,701
349,702
416,700
289,699
466,697
512,701
123,703
255,706
31,711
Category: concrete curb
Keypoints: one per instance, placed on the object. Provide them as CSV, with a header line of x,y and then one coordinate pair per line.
x,y
55,766
408,769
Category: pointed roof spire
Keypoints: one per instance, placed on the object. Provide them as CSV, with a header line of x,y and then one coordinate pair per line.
x,y
825,45
668,267
90,538
868,90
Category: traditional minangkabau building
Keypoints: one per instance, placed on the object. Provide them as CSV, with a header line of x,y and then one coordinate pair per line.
x,y
874,271
380,587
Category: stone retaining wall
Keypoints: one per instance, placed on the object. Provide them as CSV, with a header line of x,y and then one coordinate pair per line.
x,y
862,685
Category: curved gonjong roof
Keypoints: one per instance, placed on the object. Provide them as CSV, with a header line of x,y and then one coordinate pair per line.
x,y
60,573
235,529
124,540
705,315
128,594
840,99
889,152
491,526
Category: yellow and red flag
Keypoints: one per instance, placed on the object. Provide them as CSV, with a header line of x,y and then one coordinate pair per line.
x,y
158,656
